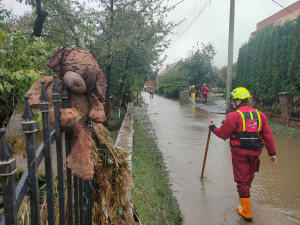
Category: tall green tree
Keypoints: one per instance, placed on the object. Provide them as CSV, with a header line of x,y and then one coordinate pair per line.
x,y
124,36
268,63
22,61
41,15
131,35
199,65
64,23
294,65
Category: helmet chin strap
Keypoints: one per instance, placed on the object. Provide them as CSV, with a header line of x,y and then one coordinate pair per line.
x,y
243,103
236,106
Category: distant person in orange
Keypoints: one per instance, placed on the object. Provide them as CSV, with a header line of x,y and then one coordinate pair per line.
x,y
249,132
204,92
193,93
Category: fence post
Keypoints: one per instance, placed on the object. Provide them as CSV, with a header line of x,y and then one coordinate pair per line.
x,y
80,189
85,202
183,96
29,127
76,200
65,104
56,98
284,107
45,108
7,170
89,184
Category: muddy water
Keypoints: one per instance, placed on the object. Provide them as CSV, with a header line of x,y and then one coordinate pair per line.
x,y
182,133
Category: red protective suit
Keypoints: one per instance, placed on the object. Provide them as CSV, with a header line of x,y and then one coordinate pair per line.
x,y
204,90
245,161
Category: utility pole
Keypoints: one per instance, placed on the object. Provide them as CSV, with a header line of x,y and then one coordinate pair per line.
x,y
156,71
157,79
230,55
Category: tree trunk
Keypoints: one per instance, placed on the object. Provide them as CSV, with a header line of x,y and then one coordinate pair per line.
x,y
108,104
39,20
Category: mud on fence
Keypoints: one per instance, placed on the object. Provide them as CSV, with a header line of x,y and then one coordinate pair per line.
x,y
77,198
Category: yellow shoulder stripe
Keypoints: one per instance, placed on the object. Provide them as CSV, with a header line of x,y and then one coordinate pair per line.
x,y
243,118
259,121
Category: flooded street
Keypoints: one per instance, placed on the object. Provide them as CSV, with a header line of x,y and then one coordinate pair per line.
x,y
182,133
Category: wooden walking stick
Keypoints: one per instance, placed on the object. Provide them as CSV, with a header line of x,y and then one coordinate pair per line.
x,y
207,144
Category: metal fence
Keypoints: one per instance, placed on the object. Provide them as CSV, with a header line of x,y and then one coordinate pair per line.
x,y
79,192
184,96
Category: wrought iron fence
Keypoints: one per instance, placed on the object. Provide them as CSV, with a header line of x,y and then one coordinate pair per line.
x,y
79,192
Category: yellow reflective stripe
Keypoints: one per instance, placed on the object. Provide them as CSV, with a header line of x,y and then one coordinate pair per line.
x,y
251,115
259,121
243,118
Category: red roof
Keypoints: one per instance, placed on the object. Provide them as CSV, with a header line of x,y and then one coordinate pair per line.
x,y
149,83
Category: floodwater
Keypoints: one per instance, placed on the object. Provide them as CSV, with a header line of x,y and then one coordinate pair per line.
x,y
182,134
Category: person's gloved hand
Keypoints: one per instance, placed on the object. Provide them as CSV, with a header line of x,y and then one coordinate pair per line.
x,y
211,126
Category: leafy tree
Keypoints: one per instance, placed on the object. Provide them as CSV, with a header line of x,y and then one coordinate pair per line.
x,y
132,35
41,15
222,76
4,15
67,22
124,36
199,65
267,64
22,61
294,65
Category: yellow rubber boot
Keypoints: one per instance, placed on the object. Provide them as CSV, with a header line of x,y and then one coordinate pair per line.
x,y
245,209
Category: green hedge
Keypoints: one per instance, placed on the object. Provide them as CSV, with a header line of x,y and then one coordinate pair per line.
x,y
171,90
270,63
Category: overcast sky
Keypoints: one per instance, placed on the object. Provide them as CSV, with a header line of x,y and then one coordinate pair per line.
x,y
206,21
212,25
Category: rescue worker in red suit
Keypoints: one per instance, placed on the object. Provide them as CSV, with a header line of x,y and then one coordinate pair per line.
x,y
204,91
249,132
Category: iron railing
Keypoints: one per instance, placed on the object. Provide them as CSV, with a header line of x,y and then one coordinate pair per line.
x,y
79,192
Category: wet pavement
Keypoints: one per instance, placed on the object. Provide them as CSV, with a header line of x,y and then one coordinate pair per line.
x,y
181,135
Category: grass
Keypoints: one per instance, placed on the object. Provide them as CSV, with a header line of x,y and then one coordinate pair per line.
x,y
152,194
284,130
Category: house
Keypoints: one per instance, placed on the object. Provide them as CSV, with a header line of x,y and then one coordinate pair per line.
x,y
289,13
148,84
168,68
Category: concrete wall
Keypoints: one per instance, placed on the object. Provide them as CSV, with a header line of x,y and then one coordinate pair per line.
x,y
125,140
126,133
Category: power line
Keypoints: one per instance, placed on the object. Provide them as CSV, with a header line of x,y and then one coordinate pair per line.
x,y
189,15
284,7
194,19
203,8
176,4
187,24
